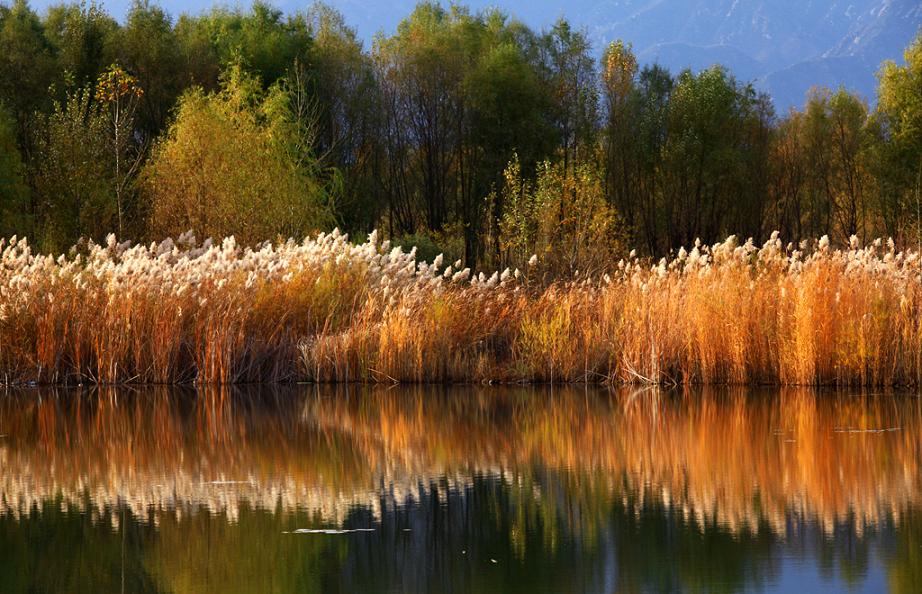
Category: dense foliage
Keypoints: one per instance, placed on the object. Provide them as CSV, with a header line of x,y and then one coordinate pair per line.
x,y
460,132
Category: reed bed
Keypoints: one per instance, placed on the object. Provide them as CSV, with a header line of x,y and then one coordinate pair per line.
x,y
328,310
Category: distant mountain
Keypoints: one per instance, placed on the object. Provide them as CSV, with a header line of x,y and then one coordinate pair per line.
x,y
698,57
777,33
789,86
882,32
784,46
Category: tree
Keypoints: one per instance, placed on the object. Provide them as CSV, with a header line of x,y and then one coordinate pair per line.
x,y
507,103
836,135
261,39
73,182
460,93
849,116
26,64
82,37
655,88
421,72
148,47
14,193
562,217
236,162
789,211
340,91
119,93
199,57
899,116
706,180
619,72
569,70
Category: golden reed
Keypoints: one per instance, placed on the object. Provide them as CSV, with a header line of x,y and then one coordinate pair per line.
x,y
328,310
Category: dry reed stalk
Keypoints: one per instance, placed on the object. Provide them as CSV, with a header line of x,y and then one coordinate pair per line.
x,y
328,310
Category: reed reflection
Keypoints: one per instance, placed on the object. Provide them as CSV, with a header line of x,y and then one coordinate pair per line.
x,y
735,457
623,488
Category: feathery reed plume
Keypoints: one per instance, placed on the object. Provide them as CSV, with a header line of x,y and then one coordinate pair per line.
x,y
328,310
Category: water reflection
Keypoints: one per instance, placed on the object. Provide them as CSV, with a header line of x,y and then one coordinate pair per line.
x,y
467,489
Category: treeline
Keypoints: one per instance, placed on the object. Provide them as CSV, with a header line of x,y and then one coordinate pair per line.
x,y
466,133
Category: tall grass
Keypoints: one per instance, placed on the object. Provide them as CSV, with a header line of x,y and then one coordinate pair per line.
x,y
328,310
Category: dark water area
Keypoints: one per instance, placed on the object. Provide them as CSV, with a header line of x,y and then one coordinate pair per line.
x,y
470,489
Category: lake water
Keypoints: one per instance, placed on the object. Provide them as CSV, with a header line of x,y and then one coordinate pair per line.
x,y
368,489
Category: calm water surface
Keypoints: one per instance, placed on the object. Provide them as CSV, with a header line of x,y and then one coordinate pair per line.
x,y
459,490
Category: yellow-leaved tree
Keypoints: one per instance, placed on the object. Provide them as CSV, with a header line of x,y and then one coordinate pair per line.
x,y
562,217
238,162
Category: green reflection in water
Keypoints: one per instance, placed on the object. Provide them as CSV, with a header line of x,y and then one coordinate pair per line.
x,y
57,548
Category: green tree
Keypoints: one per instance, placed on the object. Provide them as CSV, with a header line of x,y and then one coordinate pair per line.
x,y
82,36
26,64
340,91
460,93
790,212
261,39
835,125
14,193
199,57
569,70
73,181
899,116
706,180
148,47
421,72
507,102
619,141
655,87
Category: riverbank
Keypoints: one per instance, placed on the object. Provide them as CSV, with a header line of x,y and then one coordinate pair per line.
x,y
327,310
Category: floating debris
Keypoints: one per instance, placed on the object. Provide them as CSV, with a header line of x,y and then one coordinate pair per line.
x,y
850,430
227,482
328,530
